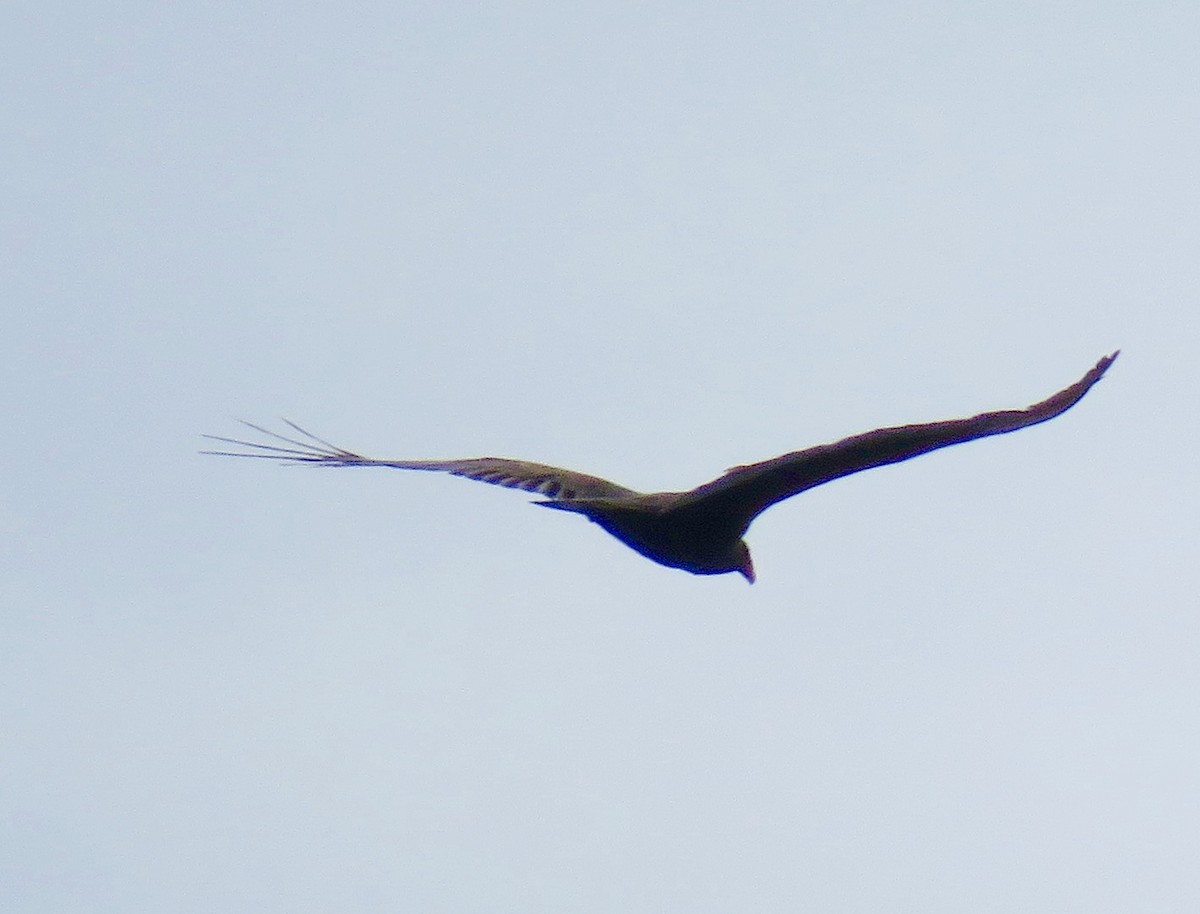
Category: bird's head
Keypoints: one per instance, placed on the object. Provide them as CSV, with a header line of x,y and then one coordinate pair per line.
x,y
745,564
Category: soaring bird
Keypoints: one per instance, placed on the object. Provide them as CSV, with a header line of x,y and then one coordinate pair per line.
x,y
699,530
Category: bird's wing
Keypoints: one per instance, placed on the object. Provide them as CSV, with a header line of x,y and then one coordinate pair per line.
x,y
745,491
552,482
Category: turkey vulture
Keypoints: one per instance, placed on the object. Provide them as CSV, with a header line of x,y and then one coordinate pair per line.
x,y
700,530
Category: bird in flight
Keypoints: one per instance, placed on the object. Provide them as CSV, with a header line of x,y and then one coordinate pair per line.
x,y
699,530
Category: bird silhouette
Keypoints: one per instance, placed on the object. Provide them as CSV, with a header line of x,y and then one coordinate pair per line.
x,y
700,530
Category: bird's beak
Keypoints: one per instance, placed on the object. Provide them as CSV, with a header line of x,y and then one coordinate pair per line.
x,y
747,569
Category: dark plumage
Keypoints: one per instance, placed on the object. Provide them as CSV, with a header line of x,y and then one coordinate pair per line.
x,y
699,530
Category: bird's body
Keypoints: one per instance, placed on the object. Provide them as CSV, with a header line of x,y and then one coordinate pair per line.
x,y
665,528
699,530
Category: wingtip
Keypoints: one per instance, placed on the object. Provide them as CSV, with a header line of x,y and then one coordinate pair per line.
x,y
1103,365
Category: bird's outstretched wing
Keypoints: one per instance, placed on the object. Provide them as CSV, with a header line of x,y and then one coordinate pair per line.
x,y
744,491
552,482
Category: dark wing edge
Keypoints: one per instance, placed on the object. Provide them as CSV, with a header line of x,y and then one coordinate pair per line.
x,y
747,490
302,447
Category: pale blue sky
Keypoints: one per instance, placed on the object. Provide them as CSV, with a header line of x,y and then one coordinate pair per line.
x,y
648,242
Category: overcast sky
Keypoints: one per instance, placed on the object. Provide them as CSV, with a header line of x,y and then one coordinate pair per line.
x,y
647,241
